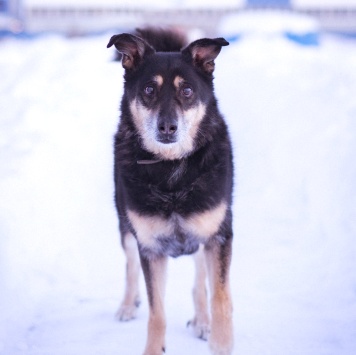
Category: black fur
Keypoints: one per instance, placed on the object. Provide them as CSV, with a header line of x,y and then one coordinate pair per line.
x,y
162,40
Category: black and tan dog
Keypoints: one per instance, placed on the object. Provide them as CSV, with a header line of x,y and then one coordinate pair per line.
x,y
173,179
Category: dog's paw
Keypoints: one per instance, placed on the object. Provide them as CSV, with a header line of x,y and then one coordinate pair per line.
x,y
155,352
221,343
126,313
200,330
220,350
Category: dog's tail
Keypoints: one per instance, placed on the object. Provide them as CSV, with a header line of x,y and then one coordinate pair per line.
x,y
163,40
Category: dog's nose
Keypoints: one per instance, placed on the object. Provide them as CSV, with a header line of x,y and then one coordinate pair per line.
x,y
167,127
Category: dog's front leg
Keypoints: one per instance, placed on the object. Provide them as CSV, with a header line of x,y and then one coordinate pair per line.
x,y
200,323
218,257
155,276
131,301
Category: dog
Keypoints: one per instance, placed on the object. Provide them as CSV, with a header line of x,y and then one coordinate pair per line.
x,y
173,172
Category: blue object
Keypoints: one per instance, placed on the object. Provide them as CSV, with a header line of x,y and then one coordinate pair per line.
x,y
3,5
233,38
305,39
268,3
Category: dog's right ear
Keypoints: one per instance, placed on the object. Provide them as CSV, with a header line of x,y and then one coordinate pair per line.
x,y
132,48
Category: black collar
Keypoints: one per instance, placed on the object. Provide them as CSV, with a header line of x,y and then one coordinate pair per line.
x,y
148,161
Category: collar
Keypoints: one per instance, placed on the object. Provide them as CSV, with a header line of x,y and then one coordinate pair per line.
x,y
148,161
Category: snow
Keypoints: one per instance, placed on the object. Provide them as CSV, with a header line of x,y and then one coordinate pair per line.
x,y
292,117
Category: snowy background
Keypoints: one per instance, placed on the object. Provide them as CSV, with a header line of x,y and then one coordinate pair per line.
x,y
292,116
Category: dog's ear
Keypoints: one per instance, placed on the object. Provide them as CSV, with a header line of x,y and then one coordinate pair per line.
x,y
132,48
203,52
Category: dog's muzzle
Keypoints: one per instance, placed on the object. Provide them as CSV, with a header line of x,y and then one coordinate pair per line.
x,y
167,130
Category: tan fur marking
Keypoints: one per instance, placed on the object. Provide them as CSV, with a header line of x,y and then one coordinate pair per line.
x,y
158,79
157,322
178,80
188,125
149,227
140,115
221,335
203,225
194,116
207,223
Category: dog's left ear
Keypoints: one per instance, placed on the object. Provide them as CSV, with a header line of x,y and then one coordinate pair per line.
x,y
203,52
132,48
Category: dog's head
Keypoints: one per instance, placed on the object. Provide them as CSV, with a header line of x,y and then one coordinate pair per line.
x,y
168,93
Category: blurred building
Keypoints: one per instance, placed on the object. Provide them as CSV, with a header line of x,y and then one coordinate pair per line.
x,y
83,16
75,17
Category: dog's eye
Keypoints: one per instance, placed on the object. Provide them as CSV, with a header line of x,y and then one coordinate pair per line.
x,y
149,90
187,91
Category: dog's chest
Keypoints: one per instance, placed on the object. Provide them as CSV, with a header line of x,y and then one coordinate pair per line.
x,y
176,235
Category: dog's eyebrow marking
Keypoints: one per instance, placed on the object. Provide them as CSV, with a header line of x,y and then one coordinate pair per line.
x,y
158,79
178,80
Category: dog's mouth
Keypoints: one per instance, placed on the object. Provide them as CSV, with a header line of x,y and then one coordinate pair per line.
x,y
166,139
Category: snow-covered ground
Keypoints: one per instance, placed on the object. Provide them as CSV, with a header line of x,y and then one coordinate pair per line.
x,y
292,116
